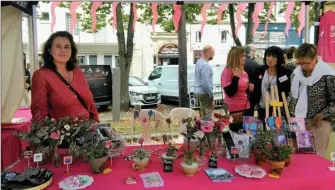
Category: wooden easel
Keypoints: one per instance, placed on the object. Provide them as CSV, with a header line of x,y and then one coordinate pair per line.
x,y
273,102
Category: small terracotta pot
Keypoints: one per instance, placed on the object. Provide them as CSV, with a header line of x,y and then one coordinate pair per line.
x,y
140,164
260,157
288,161
190,170
98,165
276,167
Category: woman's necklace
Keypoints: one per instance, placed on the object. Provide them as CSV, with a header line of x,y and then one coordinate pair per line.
x,y
67,76
270,82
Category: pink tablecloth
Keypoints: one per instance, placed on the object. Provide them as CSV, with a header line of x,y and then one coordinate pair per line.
x,y
25,112
307,172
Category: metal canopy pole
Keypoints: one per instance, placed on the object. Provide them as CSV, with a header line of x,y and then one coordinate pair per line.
x,y
307,21
33,45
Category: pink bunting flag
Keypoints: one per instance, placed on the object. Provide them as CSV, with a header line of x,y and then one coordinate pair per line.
x,y
204,15
73,13
54,4
222,8
288,12
239,12
269,16
301,18
94,8
176,16
114,5
135,16
155,14
258,9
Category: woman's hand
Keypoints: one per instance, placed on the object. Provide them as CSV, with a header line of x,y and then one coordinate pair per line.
x,y
317,119
251,87
237,72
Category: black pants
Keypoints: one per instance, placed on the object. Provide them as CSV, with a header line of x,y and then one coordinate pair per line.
x,y
236,127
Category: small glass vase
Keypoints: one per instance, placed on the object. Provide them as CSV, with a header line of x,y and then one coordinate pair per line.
x,y
56,160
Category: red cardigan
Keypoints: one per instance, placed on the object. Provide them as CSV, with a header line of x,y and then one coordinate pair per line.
x,y
51,97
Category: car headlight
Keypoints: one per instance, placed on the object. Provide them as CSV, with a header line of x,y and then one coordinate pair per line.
x,y
135,93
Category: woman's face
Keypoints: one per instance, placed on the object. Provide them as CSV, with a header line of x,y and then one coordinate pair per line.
x,y
242,60
271,60
307,64
61,50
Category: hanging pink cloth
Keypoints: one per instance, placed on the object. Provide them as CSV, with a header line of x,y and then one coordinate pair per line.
x,y
94,8
135,16
176,16
204,15
114,5
269,15
54,4
222,8
155,14
288,12
239,12
73,13
301,18
258,9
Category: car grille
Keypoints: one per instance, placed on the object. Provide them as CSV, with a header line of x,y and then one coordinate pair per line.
x,y
152,97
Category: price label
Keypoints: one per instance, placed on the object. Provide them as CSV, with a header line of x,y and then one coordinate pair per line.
x,y
38,157
332,156
213,161
28,154
67,160
167,165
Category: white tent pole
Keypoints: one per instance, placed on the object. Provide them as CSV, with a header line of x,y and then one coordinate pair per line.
x,y
307,23
33,45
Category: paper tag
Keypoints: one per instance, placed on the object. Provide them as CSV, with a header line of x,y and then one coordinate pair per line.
x,y
234,150
67,160
332,156
107,170
283,79
28,154
167,165
38,157
274,176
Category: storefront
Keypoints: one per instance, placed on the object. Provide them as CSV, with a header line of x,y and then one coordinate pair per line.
x,y
167,55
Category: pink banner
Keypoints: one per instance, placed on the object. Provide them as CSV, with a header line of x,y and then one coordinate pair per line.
x,y
222,8
73,13
269,16
94,8
114,5
204,15
155,14
288,12
176,16
301,18
239,12
135,16
258,9
54,4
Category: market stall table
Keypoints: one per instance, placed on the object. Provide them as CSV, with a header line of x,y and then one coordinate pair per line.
x,y
306,172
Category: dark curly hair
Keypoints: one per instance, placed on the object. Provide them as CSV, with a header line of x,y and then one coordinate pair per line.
x,y
48,59
276,52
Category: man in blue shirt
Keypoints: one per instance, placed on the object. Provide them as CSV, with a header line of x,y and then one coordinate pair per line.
x,y
203,80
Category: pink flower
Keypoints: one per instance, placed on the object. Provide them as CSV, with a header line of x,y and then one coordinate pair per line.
x,y
144,120
260,76
108,144
55,135
52,119
75,119
141,140
208,127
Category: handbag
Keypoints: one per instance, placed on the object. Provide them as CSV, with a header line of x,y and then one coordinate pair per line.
x,y
81,100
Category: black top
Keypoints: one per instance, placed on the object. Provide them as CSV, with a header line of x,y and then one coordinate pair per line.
x,y
283,83
250,66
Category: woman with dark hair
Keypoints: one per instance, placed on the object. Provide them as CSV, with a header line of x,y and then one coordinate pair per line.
x,y
313,97
59,88
271,73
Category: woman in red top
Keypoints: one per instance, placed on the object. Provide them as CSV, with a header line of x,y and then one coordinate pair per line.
x,y
50,95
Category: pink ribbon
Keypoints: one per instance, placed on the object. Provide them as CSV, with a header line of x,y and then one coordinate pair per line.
x,y
176,16
204,15
258,9
114,5
135,16
94,8
155,14
288,12
54,4
269,15
301,18
222,8
239,12
73,13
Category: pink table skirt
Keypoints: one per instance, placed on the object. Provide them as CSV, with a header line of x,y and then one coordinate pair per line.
x,y
24,112
306,172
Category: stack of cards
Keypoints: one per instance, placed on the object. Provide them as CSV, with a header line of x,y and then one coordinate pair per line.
x,y
219,175
152,180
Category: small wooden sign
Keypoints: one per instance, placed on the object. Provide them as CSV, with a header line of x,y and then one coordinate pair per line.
x,y
38,157
167,165
213,161
28,154
332,156
67,160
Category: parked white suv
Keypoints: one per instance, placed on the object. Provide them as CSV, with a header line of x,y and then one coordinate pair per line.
x,y
141,94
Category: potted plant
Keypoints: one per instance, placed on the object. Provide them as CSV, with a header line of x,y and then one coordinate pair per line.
x,y
140,159
170,153
262,140
277,156
97,156
190,165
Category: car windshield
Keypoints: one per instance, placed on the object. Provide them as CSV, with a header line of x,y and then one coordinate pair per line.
x,y
134,81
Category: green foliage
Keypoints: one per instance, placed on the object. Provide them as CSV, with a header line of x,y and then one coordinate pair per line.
x,y
96,150
141,154
279,153
170,151
263,139
189,157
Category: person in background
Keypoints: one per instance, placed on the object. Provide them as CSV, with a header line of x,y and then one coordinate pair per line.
x,y
235,82
203,80
289,59
271,73
27,73
313,96
253,54
51,84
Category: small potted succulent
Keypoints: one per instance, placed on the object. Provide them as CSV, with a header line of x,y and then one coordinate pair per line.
x,y
190,165
170,153
260,145
140,159
97,156
277,156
